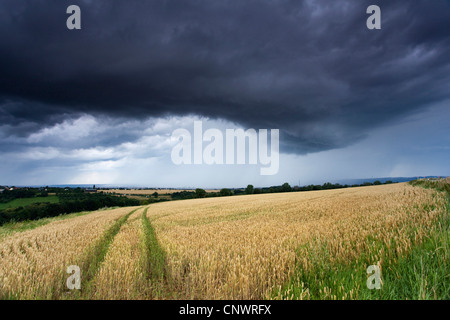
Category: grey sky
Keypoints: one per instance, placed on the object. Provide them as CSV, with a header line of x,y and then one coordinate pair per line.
x,y
98,105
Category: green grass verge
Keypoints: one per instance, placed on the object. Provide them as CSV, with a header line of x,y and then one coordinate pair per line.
x,y
22,202
421,274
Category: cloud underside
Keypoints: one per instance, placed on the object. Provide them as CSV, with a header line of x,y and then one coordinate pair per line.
x,y
309,68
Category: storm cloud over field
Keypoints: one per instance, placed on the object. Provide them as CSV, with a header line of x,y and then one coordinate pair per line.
x,y
74,100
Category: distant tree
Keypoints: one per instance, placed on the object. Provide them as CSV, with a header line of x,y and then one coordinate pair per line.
x,y
200,193
327,185
257,191
388,182
155,194
250,189
225,192
377,183
183,195
286,187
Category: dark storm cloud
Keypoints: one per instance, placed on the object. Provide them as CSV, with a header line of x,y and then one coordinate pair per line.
x,y
310,68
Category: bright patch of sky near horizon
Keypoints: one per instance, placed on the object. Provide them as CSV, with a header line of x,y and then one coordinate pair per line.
x,y
82,151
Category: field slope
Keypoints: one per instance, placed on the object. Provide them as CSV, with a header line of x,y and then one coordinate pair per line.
x,y
302,245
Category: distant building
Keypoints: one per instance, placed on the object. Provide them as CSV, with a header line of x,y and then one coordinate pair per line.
x,y
91,190
1,190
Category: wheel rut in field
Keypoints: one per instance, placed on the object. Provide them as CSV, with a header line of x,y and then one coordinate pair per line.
x,y
154,261
95,255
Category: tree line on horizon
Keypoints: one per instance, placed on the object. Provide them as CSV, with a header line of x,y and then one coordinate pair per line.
x,y
70,201
77,199
250,189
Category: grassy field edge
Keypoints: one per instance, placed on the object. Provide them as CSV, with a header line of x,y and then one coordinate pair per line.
x,y
420,274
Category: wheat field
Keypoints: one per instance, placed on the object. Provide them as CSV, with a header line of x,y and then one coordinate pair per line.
x,y
121,267
243,247
33,263
147,192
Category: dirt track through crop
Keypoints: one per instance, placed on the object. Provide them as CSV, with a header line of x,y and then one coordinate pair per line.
x,y
240,247
34,262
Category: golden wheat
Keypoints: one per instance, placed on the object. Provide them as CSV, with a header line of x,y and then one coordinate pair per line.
x,y
151,191
241,247
245,247
33,263
121,276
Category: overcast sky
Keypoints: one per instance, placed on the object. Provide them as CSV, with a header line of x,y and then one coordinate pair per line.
x,y
99,105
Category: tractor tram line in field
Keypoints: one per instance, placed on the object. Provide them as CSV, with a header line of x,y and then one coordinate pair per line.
x,y
127,263
300,245
311,245
34,262
154,261
97,256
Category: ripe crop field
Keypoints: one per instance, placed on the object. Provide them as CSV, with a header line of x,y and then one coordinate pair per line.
x,y
298,245
33,263
151,191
